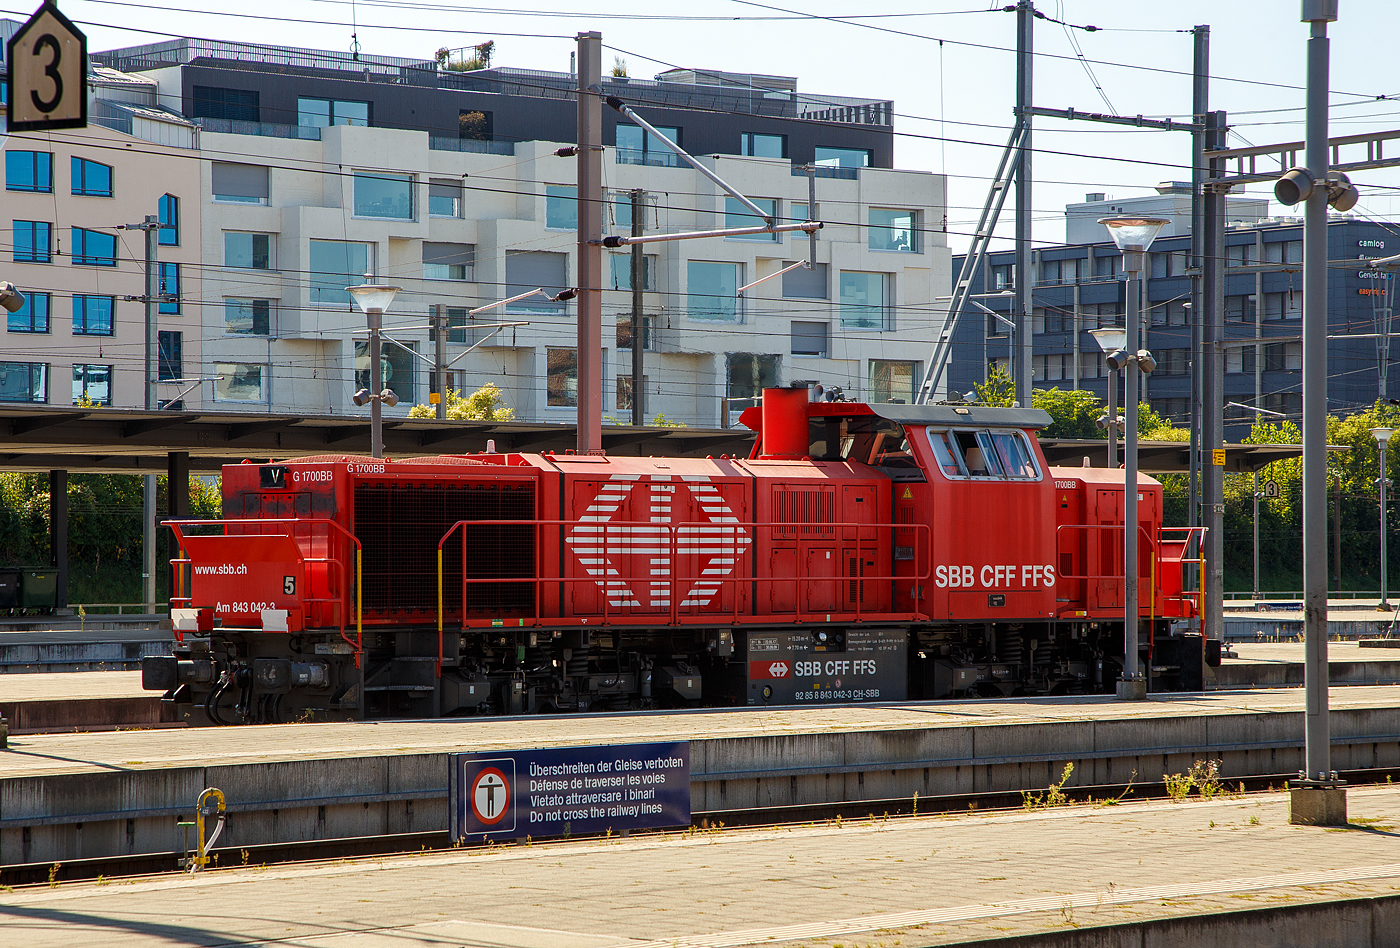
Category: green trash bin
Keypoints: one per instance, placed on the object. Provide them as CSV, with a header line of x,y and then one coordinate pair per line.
x,y
38,588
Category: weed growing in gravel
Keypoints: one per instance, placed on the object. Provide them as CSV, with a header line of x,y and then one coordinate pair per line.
x,y
1054,795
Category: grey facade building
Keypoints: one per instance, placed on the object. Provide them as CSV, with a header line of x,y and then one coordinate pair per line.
x,y
1079,287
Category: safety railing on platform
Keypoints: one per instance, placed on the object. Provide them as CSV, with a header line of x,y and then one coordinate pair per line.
x,y
182,577
674,597
1152,545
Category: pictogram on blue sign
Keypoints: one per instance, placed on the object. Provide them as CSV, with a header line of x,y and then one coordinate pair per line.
x,y
570,791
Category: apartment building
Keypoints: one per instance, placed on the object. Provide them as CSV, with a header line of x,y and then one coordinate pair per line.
x,y
1080,287
81,336
315,169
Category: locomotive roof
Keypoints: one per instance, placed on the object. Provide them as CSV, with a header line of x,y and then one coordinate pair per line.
x,y
940,414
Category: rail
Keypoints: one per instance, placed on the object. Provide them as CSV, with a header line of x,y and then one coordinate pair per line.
x,y
180,563
679,597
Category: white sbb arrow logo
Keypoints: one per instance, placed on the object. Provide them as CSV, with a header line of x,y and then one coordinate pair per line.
x,y
632,559
778,669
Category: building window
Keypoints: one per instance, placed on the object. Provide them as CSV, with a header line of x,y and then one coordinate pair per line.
x,y
24,382
247,251
756,145
449,261
561,206
1175,310
170,218
561,385
457,320
396,364
865,300
827,157
809,339
1283,305
33,241
624,391
1091,365
620,265
238,382
1169,264
92,384
1284,251
247,317
336,264
1106,267
747,374
737,215
711,291
444,198
240,184
171,346
798,212
320,113
1283,356
1003,277
1173,361
806,284
94,315
1241,255
893,230
1239,307
91,178
1288,403
92,248
1239,359
29,171
170,289
636,146
33,316
893,381
237,105
384,196
527,270
624,332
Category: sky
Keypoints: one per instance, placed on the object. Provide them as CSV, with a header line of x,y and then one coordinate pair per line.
x,y
948,65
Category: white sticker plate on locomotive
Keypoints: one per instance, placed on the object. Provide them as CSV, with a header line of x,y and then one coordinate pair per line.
x,y
848,666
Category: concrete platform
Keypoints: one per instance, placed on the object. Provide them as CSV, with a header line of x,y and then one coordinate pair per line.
x,y
1280,665
1223,872
73,796
109,647
69,701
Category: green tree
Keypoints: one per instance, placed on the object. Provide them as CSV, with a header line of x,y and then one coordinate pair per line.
x,y
998,390
1074,413
487,403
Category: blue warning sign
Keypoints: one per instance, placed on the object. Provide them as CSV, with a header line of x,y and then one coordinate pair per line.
x,y
570,790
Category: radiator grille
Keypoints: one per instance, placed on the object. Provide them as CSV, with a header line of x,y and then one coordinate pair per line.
x,y
399,526
809,508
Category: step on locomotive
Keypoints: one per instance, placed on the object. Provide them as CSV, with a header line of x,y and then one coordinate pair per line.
x,y
860,553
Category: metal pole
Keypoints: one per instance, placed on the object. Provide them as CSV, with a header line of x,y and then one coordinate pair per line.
x,y
1025,280
1256,535
1133,686
1385,599
152,400
440,358
1112,418
812,214
590,250
1200,105
1213,389
1318,750
638,321
375,318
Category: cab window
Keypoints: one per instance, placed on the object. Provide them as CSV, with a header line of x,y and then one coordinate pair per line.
x,y
997,454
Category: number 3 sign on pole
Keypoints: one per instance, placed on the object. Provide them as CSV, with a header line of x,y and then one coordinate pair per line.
x,y
48,73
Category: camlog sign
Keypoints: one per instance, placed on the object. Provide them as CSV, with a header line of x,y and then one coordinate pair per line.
x,y
569,791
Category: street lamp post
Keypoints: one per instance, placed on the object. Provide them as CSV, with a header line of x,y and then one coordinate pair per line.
x,y
373,300
1132,235
1382,436
1112,340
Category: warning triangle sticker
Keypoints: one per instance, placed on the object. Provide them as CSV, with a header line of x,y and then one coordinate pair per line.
x,y
908,494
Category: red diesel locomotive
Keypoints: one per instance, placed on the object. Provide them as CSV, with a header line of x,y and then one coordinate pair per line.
x,y
861,553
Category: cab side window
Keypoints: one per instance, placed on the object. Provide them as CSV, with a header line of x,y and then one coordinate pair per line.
x,y
992,454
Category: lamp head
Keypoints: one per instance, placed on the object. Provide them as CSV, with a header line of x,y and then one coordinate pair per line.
x,y
1382,435
362,397
1117,359
1341,193
371,297
10,297
1146,364
1295,186
1110,338
388,397
1134,233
